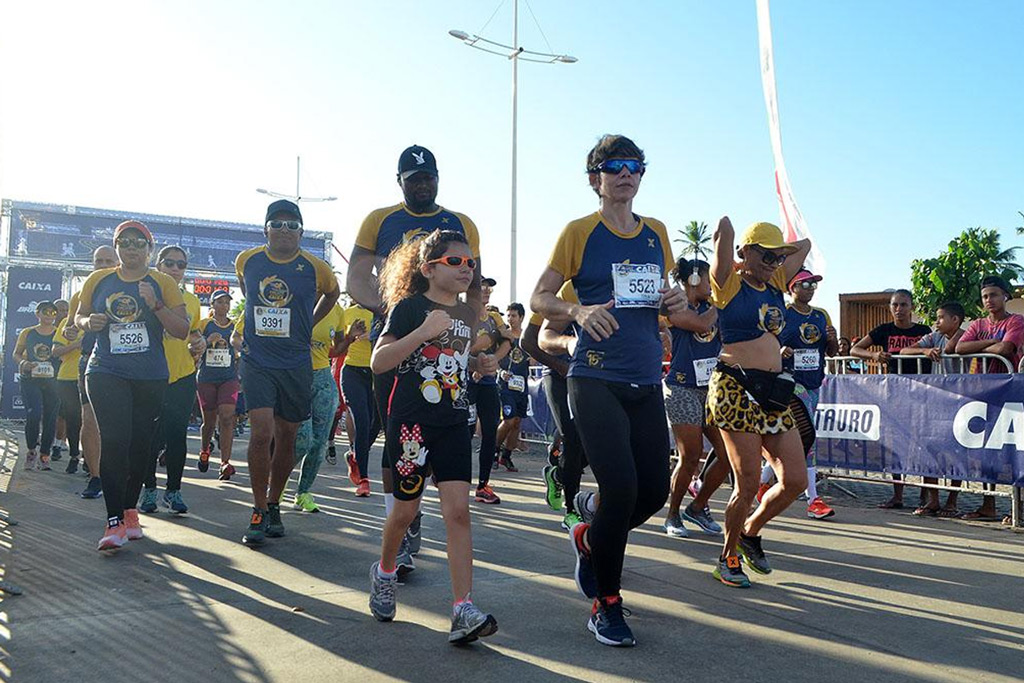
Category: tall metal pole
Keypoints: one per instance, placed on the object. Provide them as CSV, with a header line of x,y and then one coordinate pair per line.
x,y
515,115
298,161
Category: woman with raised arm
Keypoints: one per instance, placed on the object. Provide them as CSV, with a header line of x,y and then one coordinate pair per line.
x,y
749,395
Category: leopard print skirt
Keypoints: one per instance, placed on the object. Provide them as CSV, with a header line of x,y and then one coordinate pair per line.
x,y
731,408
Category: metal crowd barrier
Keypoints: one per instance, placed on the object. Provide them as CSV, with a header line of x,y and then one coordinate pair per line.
x,y
843,365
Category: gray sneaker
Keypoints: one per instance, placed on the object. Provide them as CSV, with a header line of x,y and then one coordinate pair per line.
x,y
412,534
702,519
404,561
382,594
750,549
275,527
469,623
580,503
147,501
674,527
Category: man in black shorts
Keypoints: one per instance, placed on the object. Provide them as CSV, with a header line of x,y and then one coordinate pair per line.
x,y
287,291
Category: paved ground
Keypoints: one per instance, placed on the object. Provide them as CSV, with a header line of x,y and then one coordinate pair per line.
x,y
866,596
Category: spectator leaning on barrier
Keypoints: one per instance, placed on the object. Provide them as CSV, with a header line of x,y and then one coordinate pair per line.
x,y
893,337
1000,333
948,319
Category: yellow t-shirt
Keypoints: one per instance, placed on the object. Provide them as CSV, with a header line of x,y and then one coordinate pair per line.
x,y
358,355
69,361
323,337
179,360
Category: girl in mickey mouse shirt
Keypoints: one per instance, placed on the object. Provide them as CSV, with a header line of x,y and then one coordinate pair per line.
x,y
427,337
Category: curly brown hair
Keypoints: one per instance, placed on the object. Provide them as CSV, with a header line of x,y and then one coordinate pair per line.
x,y
401,277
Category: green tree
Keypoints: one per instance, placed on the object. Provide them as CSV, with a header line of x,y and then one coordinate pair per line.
x,y
695,239
1020,228
956,273
238,310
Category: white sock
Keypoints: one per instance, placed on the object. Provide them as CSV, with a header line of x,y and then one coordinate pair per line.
x,y
386,575
766,473
812,485
589,504
389,504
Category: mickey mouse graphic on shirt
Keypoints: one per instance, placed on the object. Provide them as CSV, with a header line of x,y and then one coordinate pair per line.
x,y
443,372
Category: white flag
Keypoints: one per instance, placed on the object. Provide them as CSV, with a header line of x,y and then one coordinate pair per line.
x,y
793,225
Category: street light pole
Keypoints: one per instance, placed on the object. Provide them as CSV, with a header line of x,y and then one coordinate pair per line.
x,y
297,197
515,53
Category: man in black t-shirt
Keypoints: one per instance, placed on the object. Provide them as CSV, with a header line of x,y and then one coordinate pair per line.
x,y
893,337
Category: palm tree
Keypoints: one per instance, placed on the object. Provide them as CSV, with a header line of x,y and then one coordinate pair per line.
x,y
1020,229
695,236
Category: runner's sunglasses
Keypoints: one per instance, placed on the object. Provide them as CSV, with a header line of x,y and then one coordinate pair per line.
x,y
132,242
615,166
180,264
769,258
806,285
283,225
456,261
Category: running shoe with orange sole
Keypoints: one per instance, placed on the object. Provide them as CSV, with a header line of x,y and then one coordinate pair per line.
x,y
115,535
818,509
133,530
485,494
204,460
354,474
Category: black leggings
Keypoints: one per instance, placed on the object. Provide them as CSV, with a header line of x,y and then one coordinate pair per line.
x,y
487,400
382,385
71,411
126,412
41,403
357,386
573,459
171,433
623,430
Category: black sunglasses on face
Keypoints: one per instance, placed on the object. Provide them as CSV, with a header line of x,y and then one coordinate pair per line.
x,y
615,166
769,258
180,264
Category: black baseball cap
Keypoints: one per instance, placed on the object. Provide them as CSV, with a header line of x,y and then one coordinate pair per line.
x,y
996,281
414,160
45,306
489,281
283,206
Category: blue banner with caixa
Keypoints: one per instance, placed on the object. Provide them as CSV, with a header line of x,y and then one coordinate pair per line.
x,y
968,427
25,288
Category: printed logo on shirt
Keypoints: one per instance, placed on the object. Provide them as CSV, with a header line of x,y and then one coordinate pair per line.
x,y
707,337
595,359
650,242
809,333
274,291
41,352
413,235
442,373
771,319
122,307
901,341
517,355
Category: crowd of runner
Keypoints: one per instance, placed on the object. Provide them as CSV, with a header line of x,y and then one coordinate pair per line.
x,y
422,358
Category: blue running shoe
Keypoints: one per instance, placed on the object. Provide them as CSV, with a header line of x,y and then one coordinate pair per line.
x,y
147,501
586,580
173,500
94,489
702,519
608,623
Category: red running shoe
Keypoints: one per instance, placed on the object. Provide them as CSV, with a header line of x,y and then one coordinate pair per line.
x,y
819,510
226,470
484,494
204,460
761,490
354,475
363,490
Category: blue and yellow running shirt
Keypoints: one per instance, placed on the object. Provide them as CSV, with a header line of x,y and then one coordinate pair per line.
x,y
219,362
694,355
279,300
517,366
179,359
131,345
605,265
39,350
490,325
745,312
385,229
805,334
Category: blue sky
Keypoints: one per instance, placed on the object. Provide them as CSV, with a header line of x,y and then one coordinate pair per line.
x,y
900,120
